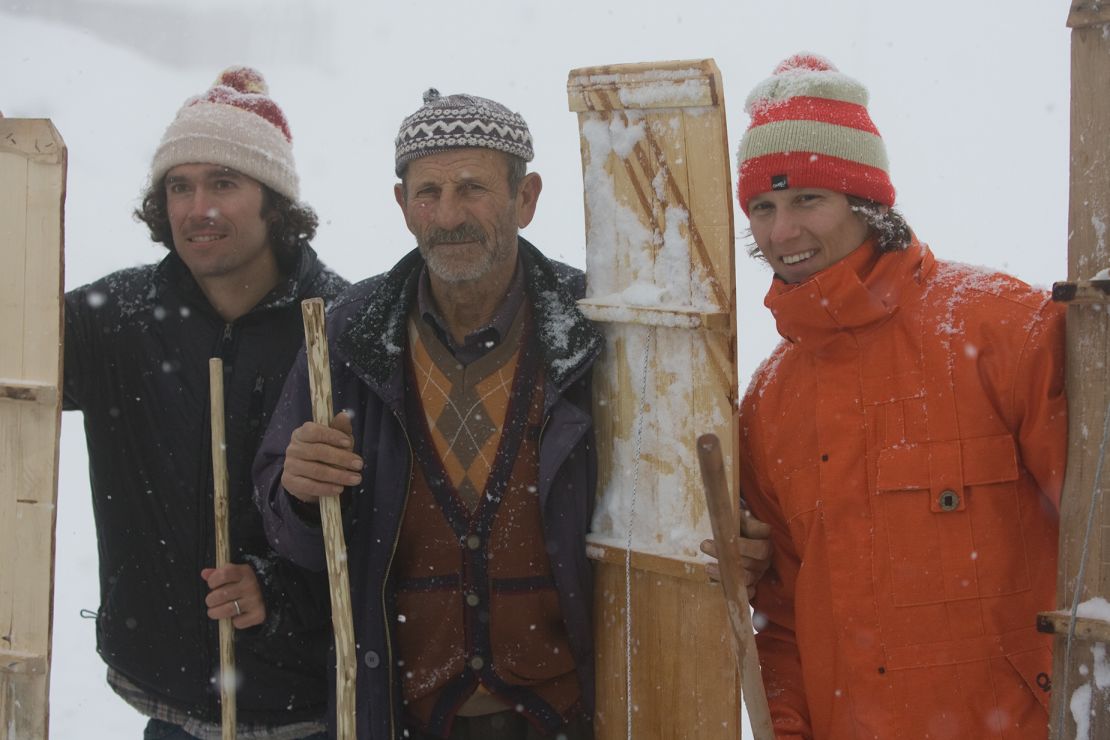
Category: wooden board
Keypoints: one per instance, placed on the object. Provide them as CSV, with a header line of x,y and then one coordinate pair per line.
x,y
660,276
683,670
1088,365
32,194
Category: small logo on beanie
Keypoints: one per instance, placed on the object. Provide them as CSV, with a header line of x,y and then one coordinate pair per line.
x,y
779,182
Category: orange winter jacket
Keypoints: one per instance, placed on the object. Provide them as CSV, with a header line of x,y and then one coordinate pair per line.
x,y
906,443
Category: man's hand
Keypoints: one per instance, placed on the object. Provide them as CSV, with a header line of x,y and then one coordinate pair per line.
x,y
755,551
319,461
234,594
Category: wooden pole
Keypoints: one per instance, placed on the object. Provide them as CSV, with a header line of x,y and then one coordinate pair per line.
x,y
331,517
228,680
1076,693
723,518
32,198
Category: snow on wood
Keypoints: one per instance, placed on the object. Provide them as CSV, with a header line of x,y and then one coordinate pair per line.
x,y
659,269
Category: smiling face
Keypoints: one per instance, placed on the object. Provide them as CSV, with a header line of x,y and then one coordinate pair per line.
x,y
218,227
465,219
802,231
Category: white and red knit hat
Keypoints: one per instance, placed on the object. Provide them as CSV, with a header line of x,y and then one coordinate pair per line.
x,y
810,129
235,124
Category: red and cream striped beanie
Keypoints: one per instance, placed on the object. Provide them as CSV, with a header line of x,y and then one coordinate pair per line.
x,y
235,124
810,129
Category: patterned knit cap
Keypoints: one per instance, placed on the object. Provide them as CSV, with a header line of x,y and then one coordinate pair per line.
x,y
810,129
235,124
457,122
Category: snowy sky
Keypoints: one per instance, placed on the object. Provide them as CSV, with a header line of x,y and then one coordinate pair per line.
x,y
971,99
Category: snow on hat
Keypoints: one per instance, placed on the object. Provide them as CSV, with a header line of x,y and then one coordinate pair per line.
x,y
461,121
810,129
235,124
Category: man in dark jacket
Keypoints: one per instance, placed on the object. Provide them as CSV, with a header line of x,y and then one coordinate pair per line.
x,y
223,199
466,451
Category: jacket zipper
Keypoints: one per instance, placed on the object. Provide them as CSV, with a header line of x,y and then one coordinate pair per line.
x,y
385,581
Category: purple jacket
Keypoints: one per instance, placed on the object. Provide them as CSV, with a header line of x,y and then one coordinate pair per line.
x,y
366,334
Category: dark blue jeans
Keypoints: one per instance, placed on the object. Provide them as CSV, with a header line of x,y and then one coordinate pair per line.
x,y
156,729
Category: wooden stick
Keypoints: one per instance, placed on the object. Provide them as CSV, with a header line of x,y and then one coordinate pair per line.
x,y
723,518
331,516
223,548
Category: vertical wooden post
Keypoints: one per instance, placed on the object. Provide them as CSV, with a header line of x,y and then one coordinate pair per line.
x,y
331,518
32,197
1076,693
228,679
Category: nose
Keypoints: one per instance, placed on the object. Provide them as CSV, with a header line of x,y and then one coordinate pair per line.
x,y
201,206
785,227
449,213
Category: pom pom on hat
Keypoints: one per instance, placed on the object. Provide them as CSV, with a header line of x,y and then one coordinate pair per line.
x,y
460,121
810,129
235,123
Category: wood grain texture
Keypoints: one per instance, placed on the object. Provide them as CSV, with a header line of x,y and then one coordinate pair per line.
x,y
331,518
683,672
32,196
658,199
228,680
1087,362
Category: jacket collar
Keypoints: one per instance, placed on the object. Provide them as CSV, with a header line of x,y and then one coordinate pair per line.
x,y
373,342
844,301
174,276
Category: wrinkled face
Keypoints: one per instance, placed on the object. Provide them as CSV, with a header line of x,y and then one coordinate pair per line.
x,y
458,206
216,221
802,231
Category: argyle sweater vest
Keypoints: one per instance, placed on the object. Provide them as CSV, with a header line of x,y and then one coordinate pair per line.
x,y
476,601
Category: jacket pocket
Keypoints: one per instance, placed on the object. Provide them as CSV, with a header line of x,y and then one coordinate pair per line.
x,y
951,518
799,497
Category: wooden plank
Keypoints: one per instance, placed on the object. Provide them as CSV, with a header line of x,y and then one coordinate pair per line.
x,y
31,392
689,690
644,85
613,312
660,283
1087,629
1082,291
1088,372
32,192
1085,13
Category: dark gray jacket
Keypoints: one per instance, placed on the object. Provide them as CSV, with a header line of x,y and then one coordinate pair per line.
x,y
367,337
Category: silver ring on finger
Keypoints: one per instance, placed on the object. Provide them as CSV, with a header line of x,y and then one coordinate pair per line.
x,y
238,609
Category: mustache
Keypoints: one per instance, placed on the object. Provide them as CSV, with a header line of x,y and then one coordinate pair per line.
x,y
464,233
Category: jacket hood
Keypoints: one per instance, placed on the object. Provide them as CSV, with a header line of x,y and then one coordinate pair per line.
x,y
858,293
374,339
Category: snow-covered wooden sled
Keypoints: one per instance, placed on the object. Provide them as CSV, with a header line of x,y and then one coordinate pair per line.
x,y
32,195
660,273
1080,682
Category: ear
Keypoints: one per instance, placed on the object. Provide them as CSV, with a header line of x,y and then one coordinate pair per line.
x,y
399,194
527,197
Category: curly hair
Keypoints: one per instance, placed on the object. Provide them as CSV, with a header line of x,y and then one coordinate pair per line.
x,y
885,224
291,225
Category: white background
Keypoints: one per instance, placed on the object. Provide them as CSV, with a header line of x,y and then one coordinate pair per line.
x,y
971,99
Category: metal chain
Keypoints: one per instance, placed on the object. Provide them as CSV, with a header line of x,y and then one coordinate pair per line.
x,y
631,520
1096,495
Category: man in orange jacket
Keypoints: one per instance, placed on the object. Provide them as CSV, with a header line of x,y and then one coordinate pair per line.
x,y
905,443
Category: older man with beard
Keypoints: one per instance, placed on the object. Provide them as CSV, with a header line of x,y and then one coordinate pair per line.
x,y
465,456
